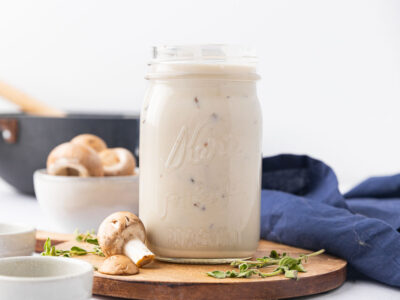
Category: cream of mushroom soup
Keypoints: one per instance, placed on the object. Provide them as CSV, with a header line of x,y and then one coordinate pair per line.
x,y
200,154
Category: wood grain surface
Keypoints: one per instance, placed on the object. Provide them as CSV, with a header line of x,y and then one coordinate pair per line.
x,y
176,281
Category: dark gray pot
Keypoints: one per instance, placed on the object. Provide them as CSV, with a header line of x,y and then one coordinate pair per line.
x,y
27,140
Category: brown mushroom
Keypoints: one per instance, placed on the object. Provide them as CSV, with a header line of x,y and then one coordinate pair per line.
x,y
124,233
90,140
71,159
118,162
118,265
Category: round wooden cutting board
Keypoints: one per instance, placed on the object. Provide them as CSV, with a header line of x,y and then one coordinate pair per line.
x,y
176,281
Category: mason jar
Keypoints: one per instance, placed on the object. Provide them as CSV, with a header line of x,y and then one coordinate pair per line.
x,y
200,153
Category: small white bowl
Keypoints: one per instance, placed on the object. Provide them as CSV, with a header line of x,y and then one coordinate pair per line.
x,y
76,202
16,240
39,277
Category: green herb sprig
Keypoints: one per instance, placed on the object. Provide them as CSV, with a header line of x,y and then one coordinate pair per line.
x,y
49,250
88,237
289,266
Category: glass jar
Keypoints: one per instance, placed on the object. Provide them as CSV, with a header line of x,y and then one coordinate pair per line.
x,y
200,153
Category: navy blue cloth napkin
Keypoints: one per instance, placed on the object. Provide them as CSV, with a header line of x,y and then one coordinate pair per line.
x,y
302,206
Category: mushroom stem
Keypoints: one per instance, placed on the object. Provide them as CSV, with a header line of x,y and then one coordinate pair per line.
x,y
137,251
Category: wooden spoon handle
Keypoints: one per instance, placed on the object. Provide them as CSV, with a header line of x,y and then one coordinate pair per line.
x,y
28,104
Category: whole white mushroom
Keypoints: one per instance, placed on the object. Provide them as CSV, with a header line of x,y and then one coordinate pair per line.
x,y
71,159
91,141
118,162
124,233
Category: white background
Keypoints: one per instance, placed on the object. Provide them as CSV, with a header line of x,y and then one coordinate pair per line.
x,y
330,69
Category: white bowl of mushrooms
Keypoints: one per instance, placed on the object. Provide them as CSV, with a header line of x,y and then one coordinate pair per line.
x,y
84,182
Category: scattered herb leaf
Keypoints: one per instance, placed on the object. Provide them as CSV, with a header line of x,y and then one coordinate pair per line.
x,y
49,250
217,274
77,251
88,237
97,251
289,266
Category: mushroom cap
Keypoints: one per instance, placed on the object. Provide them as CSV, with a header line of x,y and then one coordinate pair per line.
x,y
117,229
118,265
90,140
118,162
69,159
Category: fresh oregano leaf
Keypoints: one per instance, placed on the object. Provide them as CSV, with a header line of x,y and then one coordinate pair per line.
x,y
274,254
88,237
243,267
231,274
78,251
247,274
300,268
97,250
291,274
217,274
93,241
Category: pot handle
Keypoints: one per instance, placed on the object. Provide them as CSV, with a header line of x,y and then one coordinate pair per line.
x,y
9,130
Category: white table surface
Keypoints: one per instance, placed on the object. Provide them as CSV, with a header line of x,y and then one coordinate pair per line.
x,y
18,208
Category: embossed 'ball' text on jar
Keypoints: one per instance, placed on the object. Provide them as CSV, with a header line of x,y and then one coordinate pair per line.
x,y
200,153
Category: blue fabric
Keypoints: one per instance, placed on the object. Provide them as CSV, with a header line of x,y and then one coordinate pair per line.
x,y
302,206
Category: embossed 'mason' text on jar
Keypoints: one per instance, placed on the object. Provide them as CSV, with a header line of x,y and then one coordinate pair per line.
x,y
200,153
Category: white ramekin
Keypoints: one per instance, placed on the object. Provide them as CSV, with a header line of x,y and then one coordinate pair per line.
x,y
44,277
17,240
